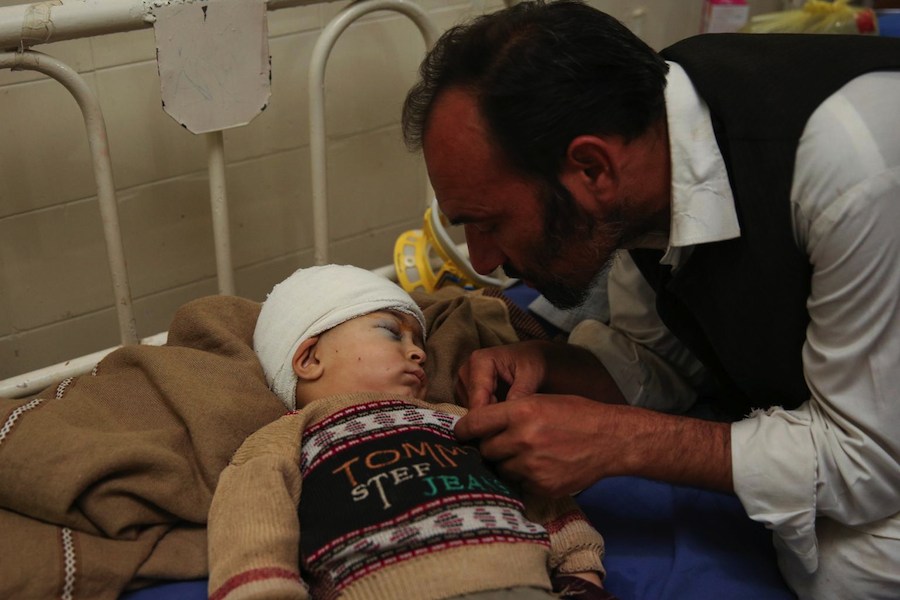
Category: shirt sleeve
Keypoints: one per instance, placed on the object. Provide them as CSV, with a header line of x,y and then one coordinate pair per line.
x,y
651,367
253,527
838,454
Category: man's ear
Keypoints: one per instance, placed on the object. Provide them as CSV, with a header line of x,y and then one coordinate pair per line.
x,y
306,363
591,169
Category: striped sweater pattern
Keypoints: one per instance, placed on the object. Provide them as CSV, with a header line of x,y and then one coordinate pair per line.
x,y
370,497
390,482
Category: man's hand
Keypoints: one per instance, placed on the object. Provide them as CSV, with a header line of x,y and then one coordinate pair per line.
x,y
556,445
492,375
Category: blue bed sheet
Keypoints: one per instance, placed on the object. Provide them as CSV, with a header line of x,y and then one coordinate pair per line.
x,y
676,542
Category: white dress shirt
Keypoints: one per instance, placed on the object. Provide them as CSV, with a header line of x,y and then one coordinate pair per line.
x,y
838,454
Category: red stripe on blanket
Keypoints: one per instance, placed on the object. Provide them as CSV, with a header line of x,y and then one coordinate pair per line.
x,y
251,576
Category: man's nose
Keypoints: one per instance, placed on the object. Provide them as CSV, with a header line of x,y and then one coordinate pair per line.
x,y
484,254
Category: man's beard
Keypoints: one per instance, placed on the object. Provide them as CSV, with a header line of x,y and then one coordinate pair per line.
x,y
572,235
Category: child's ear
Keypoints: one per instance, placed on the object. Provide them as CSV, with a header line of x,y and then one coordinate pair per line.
x,y
306,363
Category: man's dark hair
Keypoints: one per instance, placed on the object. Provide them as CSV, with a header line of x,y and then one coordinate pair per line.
x,y
543,74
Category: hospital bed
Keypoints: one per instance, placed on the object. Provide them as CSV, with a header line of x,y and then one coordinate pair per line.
x,y
663,541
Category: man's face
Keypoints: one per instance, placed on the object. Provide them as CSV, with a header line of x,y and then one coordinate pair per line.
x,y
506,215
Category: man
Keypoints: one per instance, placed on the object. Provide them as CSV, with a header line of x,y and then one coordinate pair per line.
x,y
754,184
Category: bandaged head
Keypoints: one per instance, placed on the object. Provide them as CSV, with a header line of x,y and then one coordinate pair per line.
x,y
312,301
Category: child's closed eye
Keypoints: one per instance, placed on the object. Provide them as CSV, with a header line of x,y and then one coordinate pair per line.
x,y
392,328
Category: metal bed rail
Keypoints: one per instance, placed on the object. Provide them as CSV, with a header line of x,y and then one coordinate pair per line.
x,y
23,26
106,189
26,25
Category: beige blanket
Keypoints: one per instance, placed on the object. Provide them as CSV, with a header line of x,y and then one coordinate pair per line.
x,y
106,479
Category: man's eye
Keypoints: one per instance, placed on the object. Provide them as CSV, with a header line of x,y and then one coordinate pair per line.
x,y
484,227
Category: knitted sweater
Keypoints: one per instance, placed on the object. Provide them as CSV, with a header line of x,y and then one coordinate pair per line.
x,y
392,507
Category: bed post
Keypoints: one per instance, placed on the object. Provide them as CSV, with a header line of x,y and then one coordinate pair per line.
x,y
317,145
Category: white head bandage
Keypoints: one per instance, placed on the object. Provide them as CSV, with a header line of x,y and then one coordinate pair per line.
x,y
310,302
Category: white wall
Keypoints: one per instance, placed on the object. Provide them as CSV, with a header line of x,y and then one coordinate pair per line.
x,y
55,291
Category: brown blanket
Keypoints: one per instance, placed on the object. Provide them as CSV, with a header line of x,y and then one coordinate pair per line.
x,y
106,479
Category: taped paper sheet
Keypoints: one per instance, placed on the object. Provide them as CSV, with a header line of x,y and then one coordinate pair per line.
x,y
213,59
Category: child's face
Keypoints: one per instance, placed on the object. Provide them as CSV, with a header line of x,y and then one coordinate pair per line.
x,y
378,352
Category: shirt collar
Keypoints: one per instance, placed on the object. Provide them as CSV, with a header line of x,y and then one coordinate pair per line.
x,y
703,208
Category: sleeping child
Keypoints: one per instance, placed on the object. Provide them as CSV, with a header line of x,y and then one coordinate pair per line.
x,y
362,491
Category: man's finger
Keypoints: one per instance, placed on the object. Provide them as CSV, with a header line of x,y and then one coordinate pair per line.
x,y
520,389
478,380
472,398
482,422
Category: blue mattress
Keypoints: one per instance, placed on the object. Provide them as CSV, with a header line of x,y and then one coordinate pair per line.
x,y
666,542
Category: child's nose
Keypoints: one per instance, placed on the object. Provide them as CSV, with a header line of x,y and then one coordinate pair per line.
x,y
416,354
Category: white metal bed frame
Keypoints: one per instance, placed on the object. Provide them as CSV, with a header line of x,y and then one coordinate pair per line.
x,y
26,25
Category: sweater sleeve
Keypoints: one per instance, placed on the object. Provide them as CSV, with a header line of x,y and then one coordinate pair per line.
x,y
253,528
575,546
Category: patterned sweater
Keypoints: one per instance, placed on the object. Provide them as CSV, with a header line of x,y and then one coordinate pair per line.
x,y
392,507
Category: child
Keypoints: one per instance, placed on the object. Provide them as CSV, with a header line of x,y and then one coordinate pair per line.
x,y
392,506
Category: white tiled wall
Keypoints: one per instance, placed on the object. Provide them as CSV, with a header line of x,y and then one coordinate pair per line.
x,y
55,291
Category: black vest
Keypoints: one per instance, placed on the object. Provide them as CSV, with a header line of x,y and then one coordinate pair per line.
x,y
740,305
